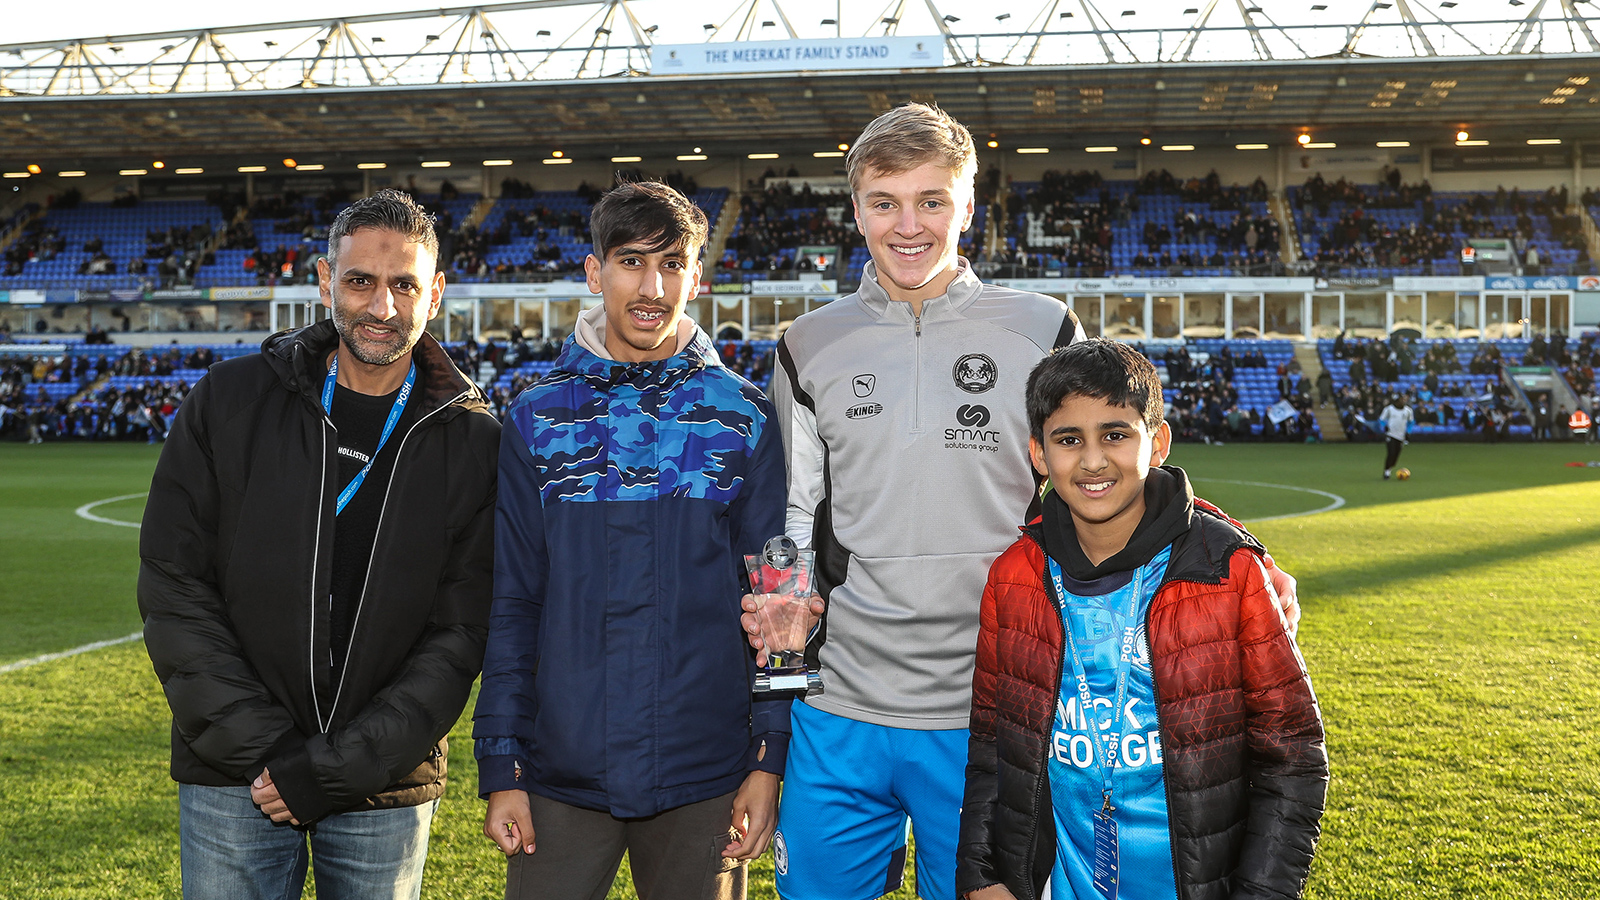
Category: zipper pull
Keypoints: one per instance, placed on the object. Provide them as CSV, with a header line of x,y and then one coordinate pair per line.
x,y
917,319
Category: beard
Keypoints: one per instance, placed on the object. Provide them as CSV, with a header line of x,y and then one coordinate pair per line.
x,y
371,352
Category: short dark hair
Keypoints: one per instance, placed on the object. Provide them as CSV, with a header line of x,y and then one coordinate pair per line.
x,y
1100,368
647,213
388,209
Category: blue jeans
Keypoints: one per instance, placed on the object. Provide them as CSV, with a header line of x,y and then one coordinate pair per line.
x,y
230,850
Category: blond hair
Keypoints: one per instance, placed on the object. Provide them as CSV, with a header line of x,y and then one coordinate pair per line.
x,y
909,136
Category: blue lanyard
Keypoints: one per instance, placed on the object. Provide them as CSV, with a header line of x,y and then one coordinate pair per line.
x,y
1104,758
388,426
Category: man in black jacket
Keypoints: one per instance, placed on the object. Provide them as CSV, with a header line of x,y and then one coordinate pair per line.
x,y
315,580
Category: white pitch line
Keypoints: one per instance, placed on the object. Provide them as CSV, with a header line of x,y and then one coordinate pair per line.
x,y
1338,501
84,511
50,657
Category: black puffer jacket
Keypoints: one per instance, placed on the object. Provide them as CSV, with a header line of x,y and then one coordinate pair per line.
x,y
237,544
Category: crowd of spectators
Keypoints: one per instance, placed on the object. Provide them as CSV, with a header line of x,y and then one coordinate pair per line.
x,y
1081,208
1203,403
1358,239
37,241
1375,366
471,245
467,249
305,219
754,364
22,380
1578,364
139,412
1319,194
518,350
774,221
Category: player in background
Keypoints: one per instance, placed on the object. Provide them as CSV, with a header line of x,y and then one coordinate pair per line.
x,y
1396,420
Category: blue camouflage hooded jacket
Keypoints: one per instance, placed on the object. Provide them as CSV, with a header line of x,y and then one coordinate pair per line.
x,y
617,676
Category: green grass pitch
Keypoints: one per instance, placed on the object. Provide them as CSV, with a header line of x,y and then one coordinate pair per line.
x,y
1450,627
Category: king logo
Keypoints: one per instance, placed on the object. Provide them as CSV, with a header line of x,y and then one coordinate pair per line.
x,y
863,410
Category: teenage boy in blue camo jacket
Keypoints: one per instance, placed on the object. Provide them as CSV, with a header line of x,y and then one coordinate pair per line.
x,y
616,713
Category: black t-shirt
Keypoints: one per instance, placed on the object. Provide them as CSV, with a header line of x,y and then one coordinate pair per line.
x,y
359,419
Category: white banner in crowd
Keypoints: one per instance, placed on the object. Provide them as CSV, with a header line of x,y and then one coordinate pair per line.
x,y
797,55
1280,411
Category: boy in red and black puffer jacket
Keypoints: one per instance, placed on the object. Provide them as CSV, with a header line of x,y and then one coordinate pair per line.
x,y
1169,745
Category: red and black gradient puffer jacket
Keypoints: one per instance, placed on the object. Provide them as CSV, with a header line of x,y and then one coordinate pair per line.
x,y
1244,765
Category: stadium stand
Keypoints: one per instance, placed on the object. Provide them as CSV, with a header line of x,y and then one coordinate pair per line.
x,y
124,393
775,222
1230,390
1078,223
533,235
281,237
1390,229
110,245
526,236
1216,390
1455,385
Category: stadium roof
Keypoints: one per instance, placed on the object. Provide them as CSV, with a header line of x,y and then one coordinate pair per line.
x,y
1343,100
464,86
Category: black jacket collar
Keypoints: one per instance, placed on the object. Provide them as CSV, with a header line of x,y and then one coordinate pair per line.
x,y
1168,507
300,359
1200,549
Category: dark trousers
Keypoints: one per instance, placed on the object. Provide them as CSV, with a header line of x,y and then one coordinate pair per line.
x,y
675,855
1393,455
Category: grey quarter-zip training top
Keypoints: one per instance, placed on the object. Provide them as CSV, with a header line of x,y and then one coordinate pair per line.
x,y
907,445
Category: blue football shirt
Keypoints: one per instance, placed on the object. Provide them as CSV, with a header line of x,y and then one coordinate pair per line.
x,y
1093,615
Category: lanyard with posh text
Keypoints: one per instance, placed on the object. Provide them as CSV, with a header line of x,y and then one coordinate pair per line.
x,y
1104,759
388,426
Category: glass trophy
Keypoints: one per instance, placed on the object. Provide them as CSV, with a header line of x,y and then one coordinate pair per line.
x,y
782,575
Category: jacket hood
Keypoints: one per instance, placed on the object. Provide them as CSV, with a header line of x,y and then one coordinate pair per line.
x,y
590,331
577,360
299,359
1168,508
1202,537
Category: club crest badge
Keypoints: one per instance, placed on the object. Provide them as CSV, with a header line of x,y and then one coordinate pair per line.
x,y
975,373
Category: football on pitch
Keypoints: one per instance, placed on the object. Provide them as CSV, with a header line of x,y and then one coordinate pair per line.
x,y
1402,474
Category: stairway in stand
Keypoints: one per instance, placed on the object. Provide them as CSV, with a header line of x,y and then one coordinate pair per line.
x,y
1327,417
